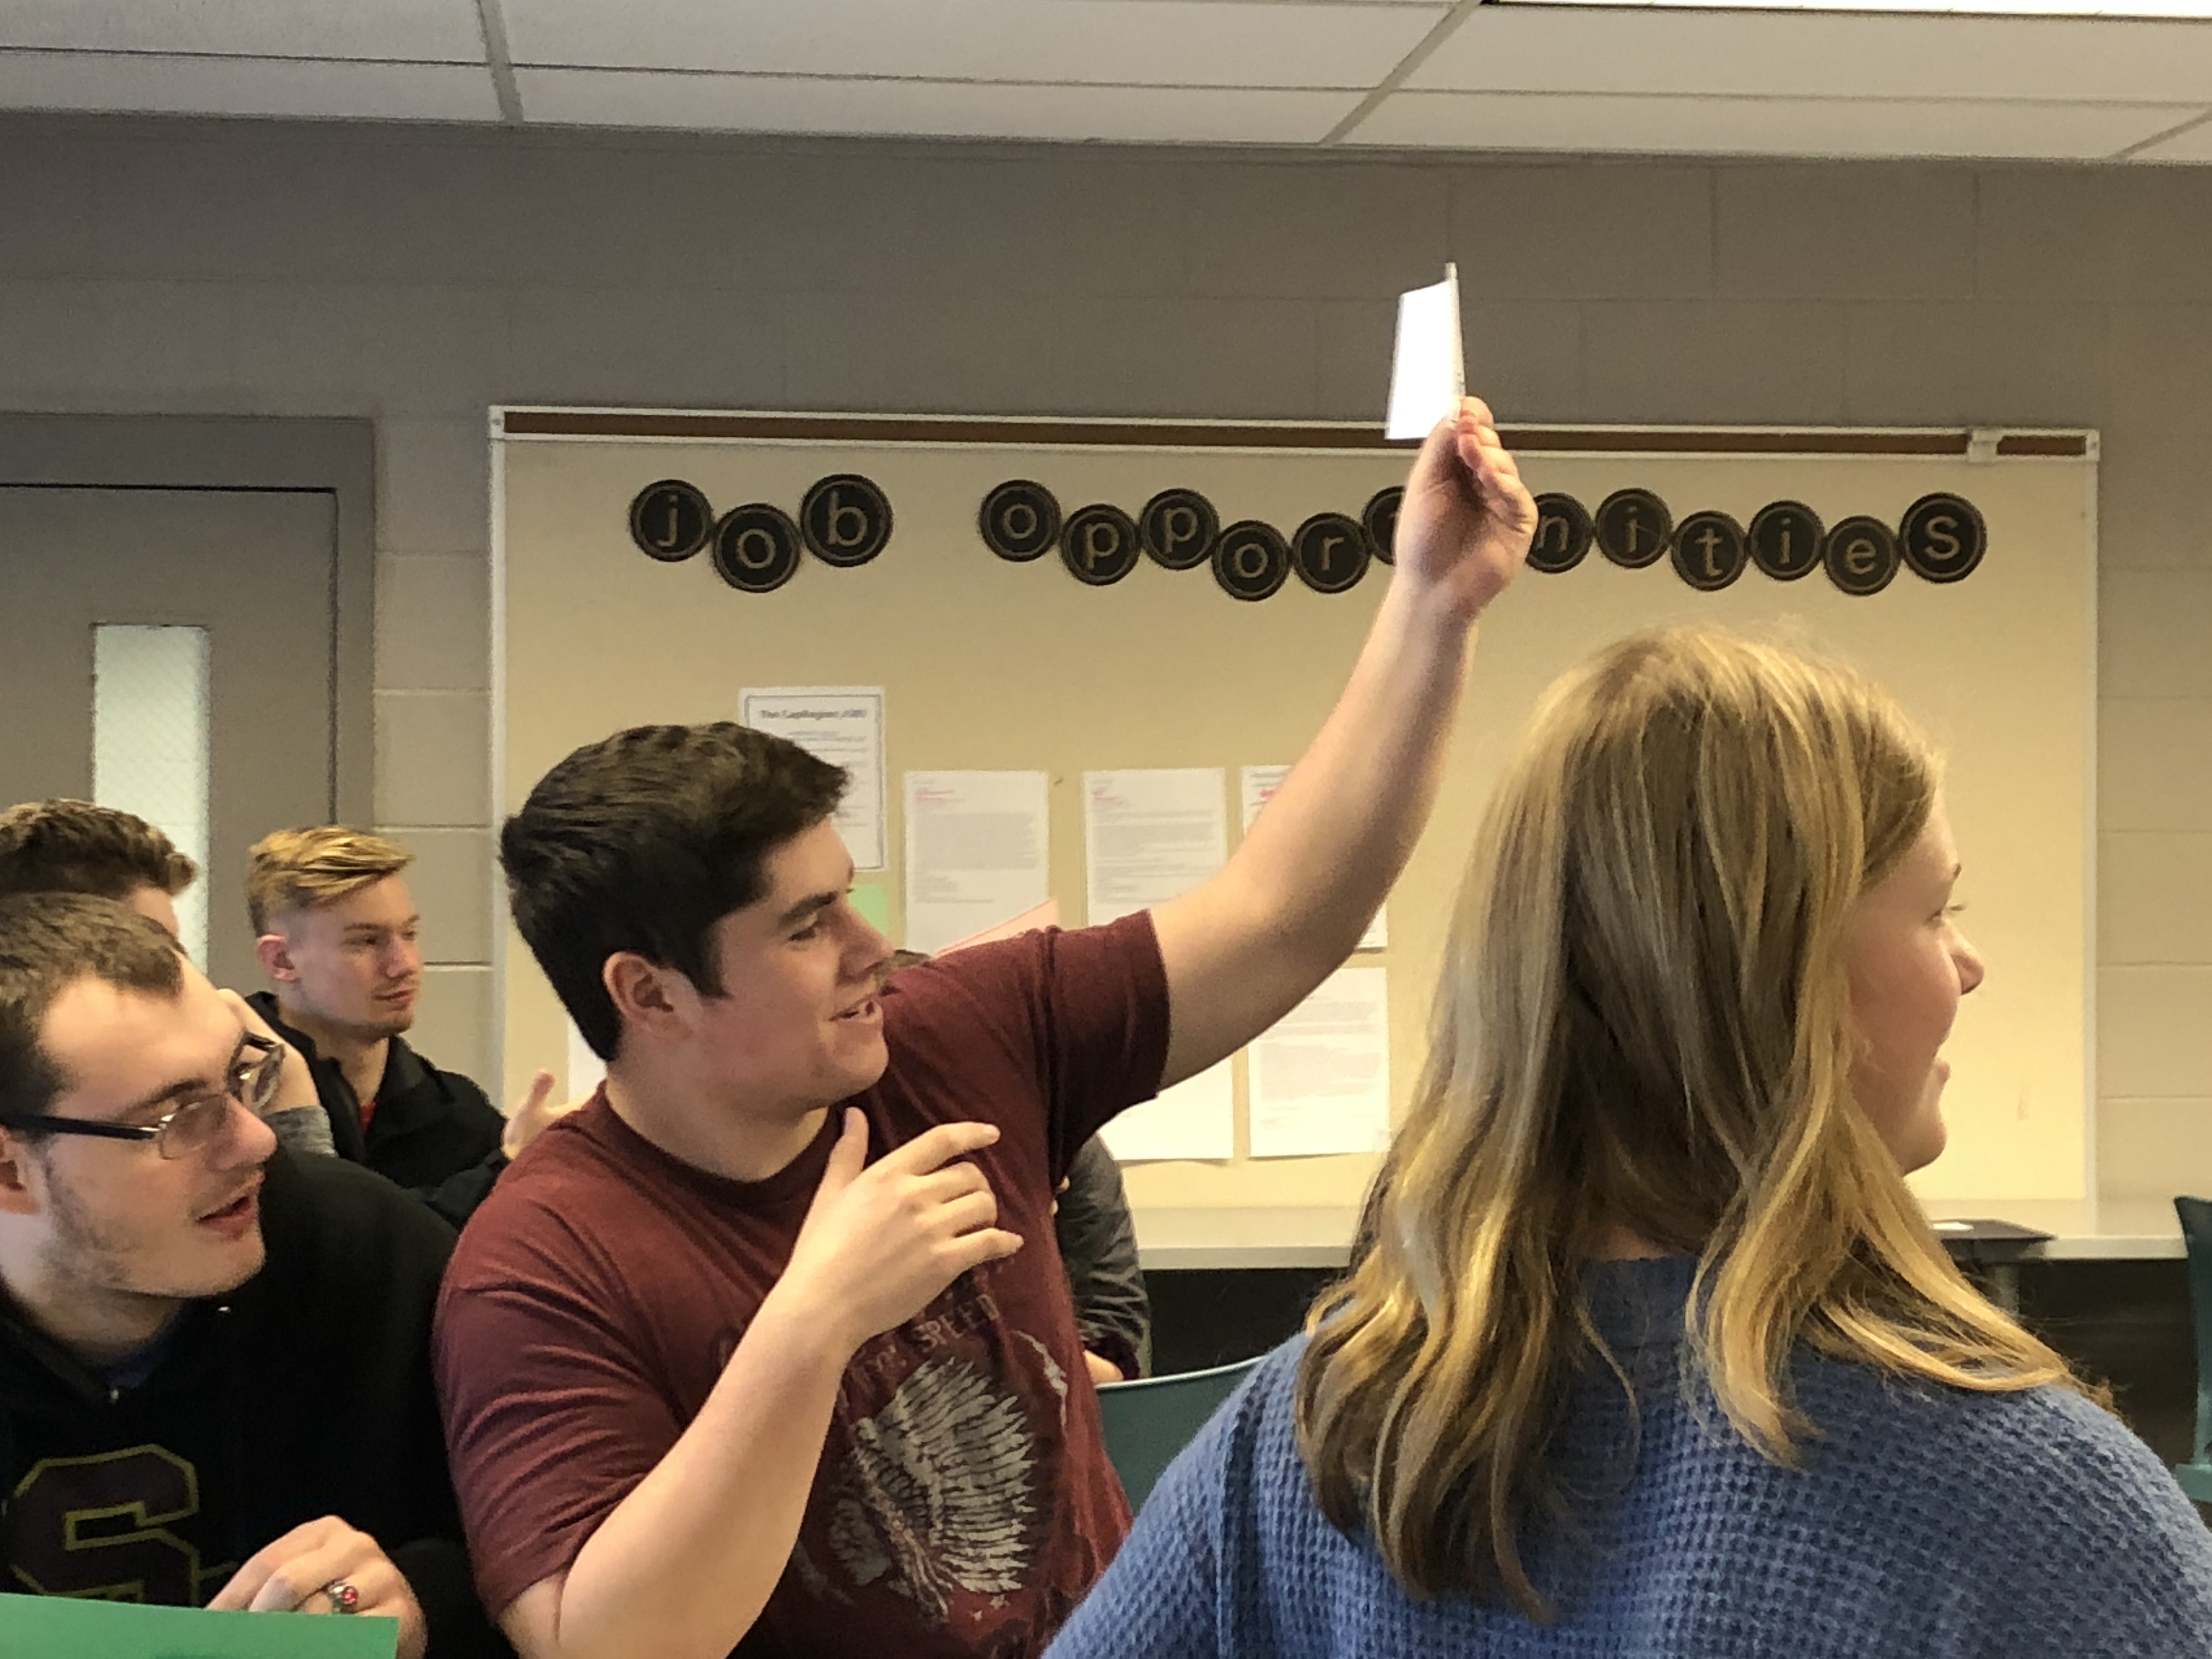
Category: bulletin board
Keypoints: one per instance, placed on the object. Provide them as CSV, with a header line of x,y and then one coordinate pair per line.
x,y
986,663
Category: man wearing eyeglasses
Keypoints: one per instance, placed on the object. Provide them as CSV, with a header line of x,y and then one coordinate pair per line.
x,y
64,846
213,1378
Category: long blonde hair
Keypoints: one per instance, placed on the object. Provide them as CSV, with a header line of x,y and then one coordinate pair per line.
x,y
1644,1026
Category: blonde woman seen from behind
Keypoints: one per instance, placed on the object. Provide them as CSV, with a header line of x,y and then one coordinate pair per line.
x,y
1650,1352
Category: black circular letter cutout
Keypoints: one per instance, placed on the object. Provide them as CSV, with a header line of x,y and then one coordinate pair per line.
x,y
755,547
1019,519
846,518
1099,545
1785,540
1177,527
1329,552
671,520
1709,551
1251,560
1563,534
1943,537
1861,556
1633,527
1379,519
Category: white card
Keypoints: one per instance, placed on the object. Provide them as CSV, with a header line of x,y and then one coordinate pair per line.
x,y
1428,369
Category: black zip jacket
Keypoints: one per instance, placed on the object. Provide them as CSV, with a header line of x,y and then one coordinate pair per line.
x,y
434,1132
305,1391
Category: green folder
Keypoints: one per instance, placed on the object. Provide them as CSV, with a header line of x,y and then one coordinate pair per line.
x,y
65,1627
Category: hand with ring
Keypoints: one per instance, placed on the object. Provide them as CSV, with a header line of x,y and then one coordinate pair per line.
x,y
326,1567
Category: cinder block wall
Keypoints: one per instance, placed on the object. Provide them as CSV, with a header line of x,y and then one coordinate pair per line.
x,y
416,275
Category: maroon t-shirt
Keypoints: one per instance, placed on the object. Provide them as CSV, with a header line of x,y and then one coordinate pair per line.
x,y
963,1503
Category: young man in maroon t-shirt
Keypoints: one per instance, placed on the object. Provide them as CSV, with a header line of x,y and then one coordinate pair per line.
x,y
767,1346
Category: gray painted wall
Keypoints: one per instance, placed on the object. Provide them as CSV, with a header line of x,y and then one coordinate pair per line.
x,y
416,275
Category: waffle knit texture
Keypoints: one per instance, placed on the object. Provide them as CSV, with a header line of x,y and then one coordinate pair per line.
x,y
1923,1521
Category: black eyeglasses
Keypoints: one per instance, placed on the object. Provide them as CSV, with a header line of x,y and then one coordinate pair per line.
x,y
195,1123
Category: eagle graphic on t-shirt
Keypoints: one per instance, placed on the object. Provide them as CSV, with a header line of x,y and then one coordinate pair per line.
x,y
933,1497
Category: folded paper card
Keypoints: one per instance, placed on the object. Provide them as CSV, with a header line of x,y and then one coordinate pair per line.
x,y
1428,370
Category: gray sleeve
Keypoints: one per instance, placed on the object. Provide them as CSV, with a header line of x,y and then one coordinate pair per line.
x,y
1099,1244
304,1131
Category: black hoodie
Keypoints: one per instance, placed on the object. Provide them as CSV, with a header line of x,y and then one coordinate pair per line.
x,y
434,1132
305,1391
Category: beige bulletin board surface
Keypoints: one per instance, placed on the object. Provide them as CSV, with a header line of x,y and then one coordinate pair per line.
x,y
990,665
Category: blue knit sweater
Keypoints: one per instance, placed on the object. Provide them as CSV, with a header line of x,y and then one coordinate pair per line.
x,y
1925,1523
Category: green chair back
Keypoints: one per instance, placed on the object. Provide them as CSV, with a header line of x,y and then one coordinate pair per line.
x,y
2195,1213
1150,1420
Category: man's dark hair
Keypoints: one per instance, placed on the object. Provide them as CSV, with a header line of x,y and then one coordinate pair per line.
x,y
75,846
643,842
49,941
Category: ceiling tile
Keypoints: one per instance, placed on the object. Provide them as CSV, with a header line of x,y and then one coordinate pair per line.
x,y
1764,126
748,103
1161,42
427,31
1513,48
148,84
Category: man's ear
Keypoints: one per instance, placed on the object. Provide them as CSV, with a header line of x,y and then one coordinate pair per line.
x,y
648,997
274,951
22,1190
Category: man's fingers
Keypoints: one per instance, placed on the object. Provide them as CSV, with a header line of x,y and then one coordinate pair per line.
x,y
352,1558
297,1579
943,1185
279,1575
247,1582
939,1145
964,1215
974,1249
1482,452
847,1157
540,1086
291,1572
1434,461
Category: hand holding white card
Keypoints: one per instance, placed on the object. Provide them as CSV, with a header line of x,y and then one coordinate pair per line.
x,y
1428,370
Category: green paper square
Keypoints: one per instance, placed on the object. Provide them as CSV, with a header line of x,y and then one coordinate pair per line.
x,y
66,1627
875,903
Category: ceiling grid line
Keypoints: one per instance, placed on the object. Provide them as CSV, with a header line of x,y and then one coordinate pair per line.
x,y
1364,76
499,59
2158,138
1445,27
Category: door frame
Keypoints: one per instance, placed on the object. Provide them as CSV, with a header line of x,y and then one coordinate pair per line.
x,y
331,457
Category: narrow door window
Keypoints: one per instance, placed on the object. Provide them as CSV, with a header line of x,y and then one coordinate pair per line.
x,y
151,744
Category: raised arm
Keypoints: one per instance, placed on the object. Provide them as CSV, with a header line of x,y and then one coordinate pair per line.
x,y
1241,951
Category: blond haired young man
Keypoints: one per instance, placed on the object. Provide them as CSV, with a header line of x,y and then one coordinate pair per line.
x,y
337,932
